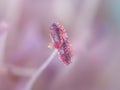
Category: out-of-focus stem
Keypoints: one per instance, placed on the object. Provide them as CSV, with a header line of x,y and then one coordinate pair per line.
x,y
16,71
85,21
39,71
3,36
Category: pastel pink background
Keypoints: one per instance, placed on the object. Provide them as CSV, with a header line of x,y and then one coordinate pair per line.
x,y
24,39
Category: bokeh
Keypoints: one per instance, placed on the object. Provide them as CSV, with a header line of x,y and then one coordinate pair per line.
x,y
93,28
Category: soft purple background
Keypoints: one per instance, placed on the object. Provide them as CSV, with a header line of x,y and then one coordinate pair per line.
x,y
24,37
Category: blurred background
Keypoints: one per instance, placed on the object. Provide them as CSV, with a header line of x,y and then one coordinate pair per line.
x,y
93,28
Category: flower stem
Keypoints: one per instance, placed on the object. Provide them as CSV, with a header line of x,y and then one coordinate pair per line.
x,y
40,70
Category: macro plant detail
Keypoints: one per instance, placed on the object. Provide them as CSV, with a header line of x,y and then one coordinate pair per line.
x,y
85,53
61,42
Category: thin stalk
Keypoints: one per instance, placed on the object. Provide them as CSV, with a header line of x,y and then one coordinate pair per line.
x,y
40,70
